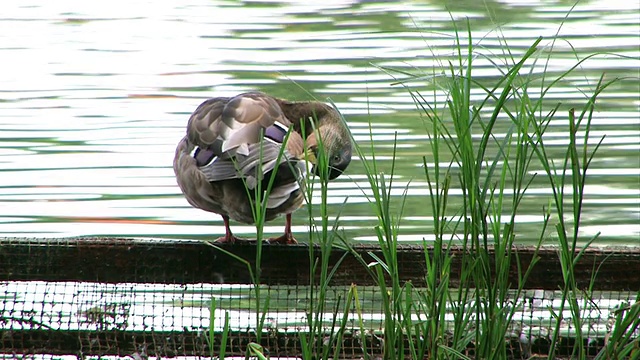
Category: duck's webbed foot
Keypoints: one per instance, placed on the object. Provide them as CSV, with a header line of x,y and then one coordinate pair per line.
x,y
228,237
287,238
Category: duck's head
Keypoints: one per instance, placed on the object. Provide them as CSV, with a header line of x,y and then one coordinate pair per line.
x,y
333,139
327,133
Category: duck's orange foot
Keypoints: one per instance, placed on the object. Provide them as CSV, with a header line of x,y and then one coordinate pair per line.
x,y
286,239
227,239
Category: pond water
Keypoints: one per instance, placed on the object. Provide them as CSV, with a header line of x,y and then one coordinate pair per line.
x,y
95,96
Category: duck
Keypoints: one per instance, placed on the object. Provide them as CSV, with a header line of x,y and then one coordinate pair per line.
x,y
233,146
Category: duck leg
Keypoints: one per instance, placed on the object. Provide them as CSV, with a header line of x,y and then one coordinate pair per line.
x,y
228,237
287,238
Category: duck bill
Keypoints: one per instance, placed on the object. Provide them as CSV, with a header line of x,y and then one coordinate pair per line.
x,y
309,156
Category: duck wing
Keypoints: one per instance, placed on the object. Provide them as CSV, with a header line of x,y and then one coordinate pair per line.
x,y
242,138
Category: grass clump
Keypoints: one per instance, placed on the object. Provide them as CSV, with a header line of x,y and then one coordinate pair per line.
x,y
494,173
482,305
473,319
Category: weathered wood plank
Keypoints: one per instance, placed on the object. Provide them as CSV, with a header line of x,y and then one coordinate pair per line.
x,y
115,260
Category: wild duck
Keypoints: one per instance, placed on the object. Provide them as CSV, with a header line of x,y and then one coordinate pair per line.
x,y
234,142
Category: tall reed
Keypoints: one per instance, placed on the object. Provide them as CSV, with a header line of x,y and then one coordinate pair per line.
x,y
320,339
494,173
258,198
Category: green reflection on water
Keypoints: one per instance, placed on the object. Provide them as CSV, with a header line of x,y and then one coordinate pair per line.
x,y
337,52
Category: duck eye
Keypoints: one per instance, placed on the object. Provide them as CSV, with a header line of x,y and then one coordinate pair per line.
x,y
336,158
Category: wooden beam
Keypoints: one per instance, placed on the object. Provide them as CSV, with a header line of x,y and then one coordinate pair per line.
x,y
116,260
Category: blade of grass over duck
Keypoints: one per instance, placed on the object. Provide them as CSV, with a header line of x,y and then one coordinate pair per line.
x,y
258,204
322,235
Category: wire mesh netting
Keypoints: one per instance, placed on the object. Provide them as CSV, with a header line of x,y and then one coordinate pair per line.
x,y
171,320
167,319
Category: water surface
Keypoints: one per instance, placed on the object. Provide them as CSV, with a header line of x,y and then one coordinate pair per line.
x,y
94,98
